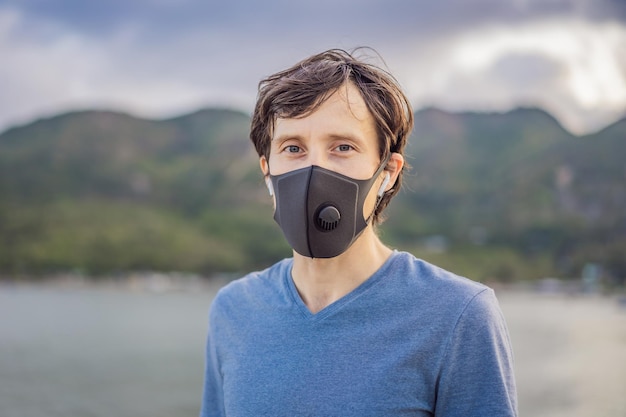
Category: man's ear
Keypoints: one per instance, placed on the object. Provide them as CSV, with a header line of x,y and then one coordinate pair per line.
x,y
393,168
265,168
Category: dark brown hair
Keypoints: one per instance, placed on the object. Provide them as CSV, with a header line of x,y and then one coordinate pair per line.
x,y
300,90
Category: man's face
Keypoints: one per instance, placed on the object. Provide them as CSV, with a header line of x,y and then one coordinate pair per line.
x,y
340,136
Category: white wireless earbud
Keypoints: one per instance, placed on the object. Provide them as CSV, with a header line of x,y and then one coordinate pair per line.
x,y
381,190
270,187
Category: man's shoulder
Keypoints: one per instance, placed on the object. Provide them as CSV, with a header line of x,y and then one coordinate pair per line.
x,y
257,285
433,280
427,289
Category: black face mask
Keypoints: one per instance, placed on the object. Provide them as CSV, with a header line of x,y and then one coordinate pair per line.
x,y
320,211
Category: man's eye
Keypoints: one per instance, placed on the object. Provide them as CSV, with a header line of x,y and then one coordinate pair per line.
x,y
344,148
293,149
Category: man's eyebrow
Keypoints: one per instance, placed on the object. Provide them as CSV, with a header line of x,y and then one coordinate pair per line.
x,y
286,136
346,136
335,136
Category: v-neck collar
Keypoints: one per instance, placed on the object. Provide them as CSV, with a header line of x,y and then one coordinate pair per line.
x,y
337,305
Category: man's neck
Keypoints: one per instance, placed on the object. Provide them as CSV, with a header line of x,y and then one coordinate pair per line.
x,y
321,282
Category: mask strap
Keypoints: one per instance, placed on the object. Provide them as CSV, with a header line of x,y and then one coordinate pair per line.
x,y
381,190
270,187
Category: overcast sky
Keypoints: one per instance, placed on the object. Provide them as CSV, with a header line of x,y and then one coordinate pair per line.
x,y
161,58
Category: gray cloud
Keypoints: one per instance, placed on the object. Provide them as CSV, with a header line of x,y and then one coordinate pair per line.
x,y
522,71
158,57
304,19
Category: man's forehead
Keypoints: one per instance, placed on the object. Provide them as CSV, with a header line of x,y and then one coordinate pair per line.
x,y
347,101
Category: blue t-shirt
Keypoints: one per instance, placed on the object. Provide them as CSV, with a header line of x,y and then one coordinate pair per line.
x,y
412,340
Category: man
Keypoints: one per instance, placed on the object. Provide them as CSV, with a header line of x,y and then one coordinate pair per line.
x,y
348,326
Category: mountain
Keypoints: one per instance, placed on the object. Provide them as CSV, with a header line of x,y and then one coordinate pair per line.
x,y
517,180
104,192
117,156
507,195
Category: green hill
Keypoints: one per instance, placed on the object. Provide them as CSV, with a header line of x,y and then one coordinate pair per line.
x,y
516,181
104,192
493,196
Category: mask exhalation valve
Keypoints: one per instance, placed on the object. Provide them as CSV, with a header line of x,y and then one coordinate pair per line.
x,y
328,218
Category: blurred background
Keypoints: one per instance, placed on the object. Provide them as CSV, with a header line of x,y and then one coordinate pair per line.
x,y
129,190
